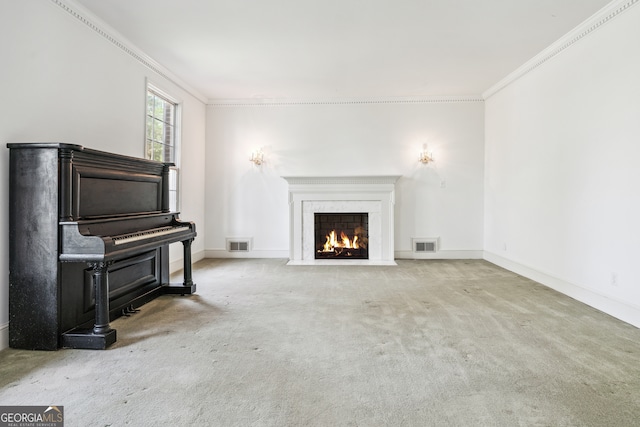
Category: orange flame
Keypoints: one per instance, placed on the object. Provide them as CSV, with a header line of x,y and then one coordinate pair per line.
x,y
332,242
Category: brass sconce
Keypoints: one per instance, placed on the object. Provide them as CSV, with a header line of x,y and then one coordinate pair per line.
x,y
425,157
257,157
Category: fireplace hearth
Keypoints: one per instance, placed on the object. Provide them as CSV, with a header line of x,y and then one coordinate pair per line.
x,y
341,235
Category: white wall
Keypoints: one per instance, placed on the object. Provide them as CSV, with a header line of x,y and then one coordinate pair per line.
x,y
562,194
556,192
62,82
358,138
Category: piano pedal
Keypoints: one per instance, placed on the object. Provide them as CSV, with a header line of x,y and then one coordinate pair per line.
x,y
128,311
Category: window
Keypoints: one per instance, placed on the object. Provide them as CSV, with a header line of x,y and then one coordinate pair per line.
x,y
161,137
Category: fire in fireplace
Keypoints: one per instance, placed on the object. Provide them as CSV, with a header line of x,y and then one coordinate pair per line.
x,y
341,235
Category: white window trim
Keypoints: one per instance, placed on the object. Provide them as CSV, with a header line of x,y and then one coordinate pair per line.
x,y
177,137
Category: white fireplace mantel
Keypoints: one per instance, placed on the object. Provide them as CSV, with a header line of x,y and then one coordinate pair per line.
x,y
316,194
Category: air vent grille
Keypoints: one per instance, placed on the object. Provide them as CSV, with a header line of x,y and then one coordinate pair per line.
x,y
238,245
425,245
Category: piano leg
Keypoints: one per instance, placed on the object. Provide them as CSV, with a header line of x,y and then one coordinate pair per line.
x,y
188,287
101,336
101,283
188,281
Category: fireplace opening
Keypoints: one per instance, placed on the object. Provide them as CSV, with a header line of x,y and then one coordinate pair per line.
x,y
341,235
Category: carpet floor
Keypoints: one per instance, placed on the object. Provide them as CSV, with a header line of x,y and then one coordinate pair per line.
x,y
424,343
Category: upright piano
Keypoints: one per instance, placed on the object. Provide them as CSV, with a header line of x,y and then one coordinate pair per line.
x,y
88,241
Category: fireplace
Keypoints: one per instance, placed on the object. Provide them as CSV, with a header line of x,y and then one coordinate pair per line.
x,y
344,195
341,235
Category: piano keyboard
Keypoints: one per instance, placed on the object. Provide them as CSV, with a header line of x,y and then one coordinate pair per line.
x,y
142,235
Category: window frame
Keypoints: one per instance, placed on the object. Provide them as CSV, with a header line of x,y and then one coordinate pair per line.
x,y
174,172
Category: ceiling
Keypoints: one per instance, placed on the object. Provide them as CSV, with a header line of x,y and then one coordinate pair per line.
x,y
238,49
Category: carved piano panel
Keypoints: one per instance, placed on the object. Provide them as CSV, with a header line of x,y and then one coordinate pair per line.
x,y
136,278
89,237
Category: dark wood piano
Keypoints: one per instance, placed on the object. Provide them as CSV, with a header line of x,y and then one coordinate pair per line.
x,y
88,241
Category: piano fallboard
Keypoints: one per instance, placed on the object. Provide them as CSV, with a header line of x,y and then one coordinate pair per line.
x,y
113,238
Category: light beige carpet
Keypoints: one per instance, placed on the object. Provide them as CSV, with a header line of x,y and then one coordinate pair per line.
x,y
426,343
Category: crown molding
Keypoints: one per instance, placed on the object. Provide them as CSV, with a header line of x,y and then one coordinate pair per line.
x,y
593,23
260,102
606,14
114,37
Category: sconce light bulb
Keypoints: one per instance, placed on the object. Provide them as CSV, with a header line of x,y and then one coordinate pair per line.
x,y
257,157
425,157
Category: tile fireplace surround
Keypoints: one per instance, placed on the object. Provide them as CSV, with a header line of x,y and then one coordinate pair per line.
x,y
341,194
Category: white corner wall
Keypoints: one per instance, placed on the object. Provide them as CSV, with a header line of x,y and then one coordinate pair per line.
x,y
562,195
443,199
63,82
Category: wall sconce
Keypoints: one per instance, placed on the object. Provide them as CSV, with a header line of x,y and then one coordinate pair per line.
x,y
257,157
425,157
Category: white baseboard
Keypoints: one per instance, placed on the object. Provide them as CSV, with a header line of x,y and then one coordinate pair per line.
x,y
619,309
439,255
223,253
4,336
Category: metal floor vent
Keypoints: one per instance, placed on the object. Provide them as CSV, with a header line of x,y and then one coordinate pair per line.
x,y
238,245
425,245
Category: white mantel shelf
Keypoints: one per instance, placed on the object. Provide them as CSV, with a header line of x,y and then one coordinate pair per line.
x,y
374,194
342,180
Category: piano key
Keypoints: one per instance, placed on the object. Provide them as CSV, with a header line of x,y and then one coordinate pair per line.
x,y
147,234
